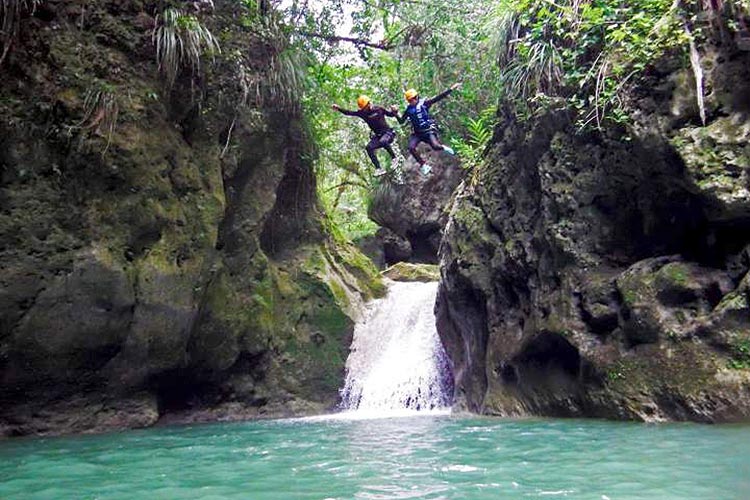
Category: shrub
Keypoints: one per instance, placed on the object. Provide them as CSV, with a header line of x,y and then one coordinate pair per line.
x,y
585,51
181,40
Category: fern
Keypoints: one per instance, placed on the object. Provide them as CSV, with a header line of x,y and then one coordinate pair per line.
x,y
479,132
181,40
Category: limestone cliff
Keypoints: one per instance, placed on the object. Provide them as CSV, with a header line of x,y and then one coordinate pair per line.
x,y
605,274
162,252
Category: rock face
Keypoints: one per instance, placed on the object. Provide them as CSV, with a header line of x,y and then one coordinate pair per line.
x,y
176,264
606,274
413,214
404,271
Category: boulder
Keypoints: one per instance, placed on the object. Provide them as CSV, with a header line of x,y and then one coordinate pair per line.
x,y
415,211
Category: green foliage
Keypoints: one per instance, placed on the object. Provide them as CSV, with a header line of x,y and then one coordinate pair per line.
x,y
527,54
479,131
740,355
10,21
180,40
430,47
584,52
614,374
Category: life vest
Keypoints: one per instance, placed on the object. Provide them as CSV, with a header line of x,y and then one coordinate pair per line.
x,y
419,117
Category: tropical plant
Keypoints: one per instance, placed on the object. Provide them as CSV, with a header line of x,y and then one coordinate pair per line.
x,y
10,21
181,40
527,54
584,54
286,78
479,132
391,46
100,111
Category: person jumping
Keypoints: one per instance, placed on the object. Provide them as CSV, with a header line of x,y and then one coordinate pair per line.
x,y
382,134
423,127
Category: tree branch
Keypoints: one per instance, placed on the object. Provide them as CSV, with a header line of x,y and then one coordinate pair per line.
x,y
382,45
348,183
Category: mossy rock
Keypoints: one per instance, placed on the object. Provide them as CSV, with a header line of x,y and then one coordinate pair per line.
x,y
361,268
404,271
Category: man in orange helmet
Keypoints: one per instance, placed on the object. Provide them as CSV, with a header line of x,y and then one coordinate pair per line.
x,y
382,134
423,127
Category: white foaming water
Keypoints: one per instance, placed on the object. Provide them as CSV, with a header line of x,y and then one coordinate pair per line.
x,y
397,365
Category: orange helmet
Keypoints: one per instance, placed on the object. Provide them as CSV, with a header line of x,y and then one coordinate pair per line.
x,y
363,101
411,94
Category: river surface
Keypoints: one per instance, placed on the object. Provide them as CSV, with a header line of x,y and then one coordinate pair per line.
x,y
397,369
436,456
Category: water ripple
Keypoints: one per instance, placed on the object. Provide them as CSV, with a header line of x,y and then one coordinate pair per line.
x,y
433,457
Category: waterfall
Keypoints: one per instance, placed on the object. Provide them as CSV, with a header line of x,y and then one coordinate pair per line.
x,y
397,361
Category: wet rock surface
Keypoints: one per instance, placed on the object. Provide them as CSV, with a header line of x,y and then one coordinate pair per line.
x,y
605,274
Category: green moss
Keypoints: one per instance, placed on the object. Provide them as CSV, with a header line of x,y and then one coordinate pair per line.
x,y
314,331
615,373
629,296
319,304
361,267
685,368
736,300
404,271
636,288
713,153
315,262
338,291
262,311
675,272
740,354
331,321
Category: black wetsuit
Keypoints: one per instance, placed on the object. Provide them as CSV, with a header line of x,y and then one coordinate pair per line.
x,y
382,134
423,127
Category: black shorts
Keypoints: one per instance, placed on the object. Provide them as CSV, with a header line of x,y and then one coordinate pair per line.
x,y
426,137
382,140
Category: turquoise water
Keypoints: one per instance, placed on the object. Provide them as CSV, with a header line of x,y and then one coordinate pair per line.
x,y
435,457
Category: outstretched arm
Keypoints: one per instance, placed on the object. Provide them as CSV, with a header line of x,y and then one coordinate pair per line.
x,y
394,113
343,111
432,100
